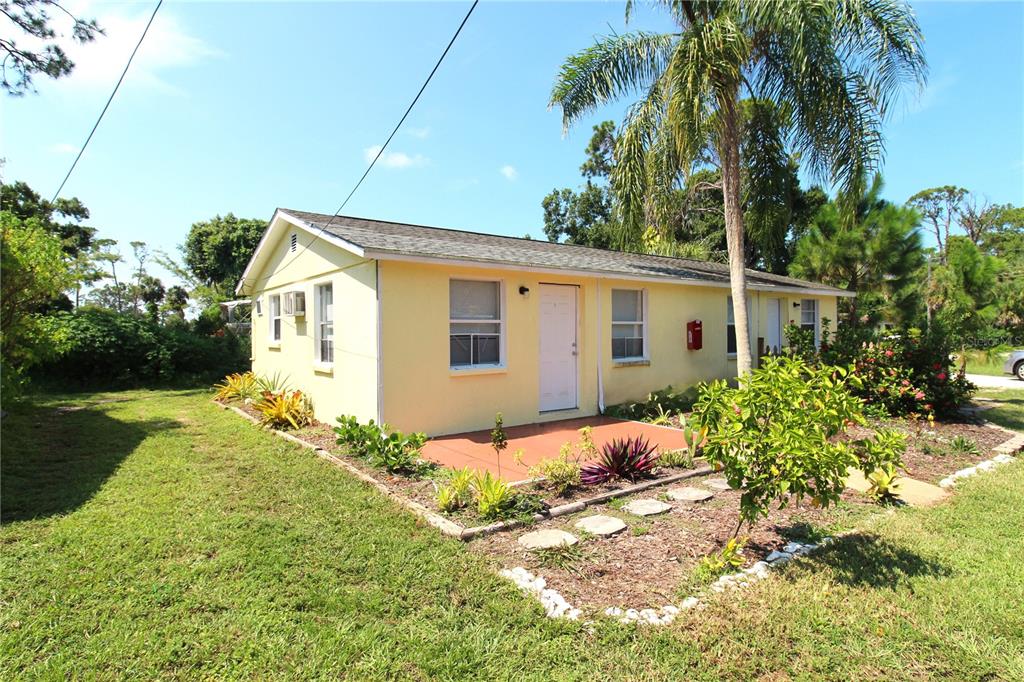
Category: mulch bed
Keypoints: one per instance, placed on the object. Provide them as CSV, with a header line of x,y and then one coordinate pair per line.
x,y
929,456
647,565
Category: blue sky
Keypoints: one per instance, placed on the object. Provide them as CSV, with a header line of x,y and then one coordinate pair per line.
x,y
244,107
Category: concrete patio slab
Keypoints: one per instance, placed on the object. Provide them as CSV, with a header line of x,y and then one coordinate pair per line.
x,y
910,490
539,441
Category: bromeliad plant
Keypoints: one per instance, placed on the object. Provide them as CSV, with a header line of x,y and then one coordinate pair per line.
x,y
885,485
774,436
631,458
285,410
238,387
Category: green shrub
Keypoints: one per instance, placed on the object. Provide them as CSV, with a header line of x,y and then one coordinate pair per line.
x,y
562,473
903,372
395,452
657,408
964,446
679,459
494,496
102,348
774,435
726,560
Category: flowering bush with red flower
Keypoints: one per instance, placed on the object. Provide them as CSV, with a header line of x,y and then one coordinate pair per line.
x,y
904,372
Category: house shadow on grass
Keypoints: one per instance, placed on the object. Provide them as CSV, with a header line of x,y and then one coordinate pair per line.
x,y
55,461
867,560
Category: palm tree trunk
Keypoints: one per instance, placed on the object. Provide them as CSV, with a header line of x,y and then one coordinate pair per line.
x,y
729,153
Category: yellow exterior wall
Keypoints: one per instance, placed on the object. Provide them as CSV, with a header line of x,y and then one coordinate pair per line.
x,y
349,386
420,392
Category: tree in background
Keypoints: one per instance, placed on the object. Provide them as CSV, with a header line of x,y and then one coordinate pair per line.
x,y
175,302
940,207
877,254
961,292
44,56
34,272
216,251
152,294
832,68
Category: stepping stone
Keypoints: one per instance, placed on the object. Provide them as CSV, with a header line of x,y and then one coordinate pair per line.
x,y
601,525
646,507
547,538
719,484
689,495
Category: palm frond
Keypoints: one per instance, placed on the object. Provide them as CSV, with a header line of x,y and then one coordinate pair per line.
x,y
615,66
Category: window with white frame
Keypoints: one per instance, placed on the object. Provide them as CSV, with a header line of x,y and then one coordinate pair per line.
x,y
809,317
475,320
325,323
275,317
730,328
629,325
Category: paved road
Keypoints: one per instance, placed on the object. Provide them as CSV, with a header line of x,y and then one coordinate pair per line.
x,y
1005,381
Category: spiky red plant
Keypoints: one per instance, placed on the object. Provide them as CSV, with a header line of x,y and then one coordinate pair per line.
x,y
630,458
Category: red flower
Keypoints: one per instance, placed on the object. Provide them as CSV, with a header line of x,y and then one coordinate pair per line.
x,y
928,406
889,353
919,395
941,376
905,382
937,365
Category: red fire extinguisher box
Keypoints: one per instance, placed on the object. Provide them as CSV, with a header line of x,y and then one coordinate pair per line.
x,y
694,335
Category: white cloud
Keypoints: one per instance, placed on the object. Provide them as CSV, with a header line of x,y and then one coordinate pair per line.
x,y
63,148
509,172
99,63
394,159
420,133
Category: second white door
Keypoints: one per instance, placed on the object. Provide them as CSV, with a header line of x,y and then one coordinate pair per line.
x,y
558,349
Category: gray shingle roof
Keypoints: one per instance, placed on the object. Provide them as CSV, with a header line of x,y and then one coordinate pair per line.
x,y
435,242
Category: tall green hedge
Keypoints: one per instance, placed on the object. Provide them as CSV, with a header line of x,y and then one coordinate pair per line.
x,y
102,348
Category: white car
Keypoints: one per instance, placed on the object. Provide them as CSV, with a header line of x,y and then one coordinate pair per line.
x,y
1015,364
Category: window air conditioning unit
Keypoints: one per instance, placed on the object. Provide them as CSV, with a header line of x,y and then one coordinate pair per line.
x,y
295,303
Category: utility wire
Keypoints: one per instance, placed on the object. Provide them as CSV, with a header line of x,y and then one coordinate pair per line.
x,y
109,99
386,143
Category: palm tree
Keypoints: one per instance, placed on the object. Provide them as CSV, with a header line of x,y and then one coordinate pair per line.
x,y
833,67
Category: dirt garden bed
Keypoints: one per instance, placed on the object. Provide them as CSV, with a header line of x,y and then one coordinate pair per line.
x,y
650,563
930,454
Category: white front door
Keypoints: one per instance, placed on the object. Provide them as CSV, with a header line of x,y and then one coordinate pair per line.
x,y
773,330
557,347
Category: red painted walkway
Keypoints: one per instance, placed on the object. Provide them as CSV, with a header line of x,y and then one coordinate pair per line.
x,y
538,441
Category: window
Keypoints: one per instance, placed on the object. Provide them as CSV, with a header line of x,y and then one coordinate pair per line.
x,y
629,327
325,323
275,317
730,328
809,317
474,323
258,305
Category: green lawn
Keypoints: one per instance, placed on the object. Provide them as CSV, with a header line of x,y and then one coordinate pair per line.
x,y
158,536
1010,413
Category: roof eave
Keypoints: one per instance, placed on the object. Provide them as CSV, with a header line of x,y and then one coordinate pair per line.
x,y
394,255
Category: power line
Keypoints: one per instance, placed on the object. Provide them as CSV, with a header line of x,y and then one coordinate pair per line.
x,y
386,143
109,100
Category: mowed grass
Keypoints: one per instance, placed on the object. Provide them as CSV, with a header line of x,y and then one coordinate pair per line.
x,y
160,537
1010,412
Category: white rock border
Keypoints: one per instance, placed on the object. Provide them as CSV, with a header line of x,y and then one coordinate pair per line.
x,y
555,606
987,465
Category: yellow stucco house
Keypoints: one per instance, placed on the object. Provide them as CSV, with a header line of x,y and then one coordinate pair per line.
x,y
436,330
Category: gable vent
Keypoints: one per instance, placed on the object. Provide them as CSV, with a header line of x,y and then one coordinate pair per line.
x,y
294,242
